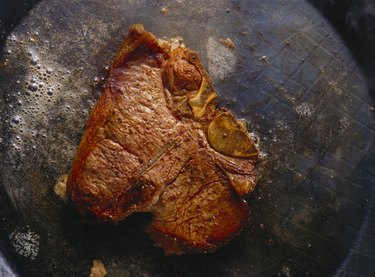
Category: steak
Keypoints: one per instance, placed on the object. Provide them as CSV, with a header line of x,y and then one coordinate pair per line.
x,y
156,142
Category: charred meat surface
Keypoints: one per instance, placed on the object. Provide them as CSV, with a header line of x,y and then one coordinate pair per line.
x,y
156,142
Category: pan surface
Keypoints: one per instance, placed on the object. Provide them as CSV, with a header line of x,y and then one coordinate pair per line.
x,y
289,75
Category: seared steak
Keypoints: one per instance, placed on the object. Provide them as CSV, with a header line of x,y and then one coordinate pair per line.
x,y
156,142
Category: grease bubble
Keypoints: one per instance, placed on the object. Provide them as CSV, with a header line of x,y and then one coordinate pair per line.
x,y
33,87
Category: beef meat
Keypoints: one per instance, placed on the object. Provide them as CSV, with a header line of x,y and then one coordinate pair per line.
x,y
156,142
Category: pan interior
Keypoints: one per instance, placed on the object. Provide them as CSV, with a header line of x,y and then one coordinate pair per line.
x,y
289,76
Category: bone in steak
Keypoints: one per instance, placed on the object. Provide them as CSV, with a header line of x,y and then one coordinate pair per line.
x,y
156,142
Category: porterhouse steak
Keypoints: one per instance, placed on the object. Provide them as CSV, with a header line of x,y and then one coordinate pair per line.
x,y
156,142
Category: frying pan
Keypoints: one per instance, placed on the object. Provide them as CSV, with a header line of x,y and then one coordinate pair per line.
x,y
290,75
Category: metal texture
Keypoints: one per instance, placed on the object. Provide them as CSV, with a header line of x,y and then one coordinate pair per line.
x,y
289,75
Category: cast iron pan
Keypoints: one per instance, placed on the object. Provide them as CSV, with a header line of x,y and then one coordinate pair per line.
x,y
290,76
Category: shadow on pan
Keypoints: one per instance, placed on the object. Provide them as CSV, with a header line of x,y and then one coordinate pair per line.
x,y
293,79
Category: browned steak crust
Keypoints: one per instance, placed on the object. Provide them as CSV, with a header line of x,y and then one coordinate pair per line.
x,y
155,142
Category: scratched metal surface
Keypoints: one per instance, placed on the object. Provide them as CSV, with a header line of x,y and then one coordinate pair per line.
x,y
290,76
